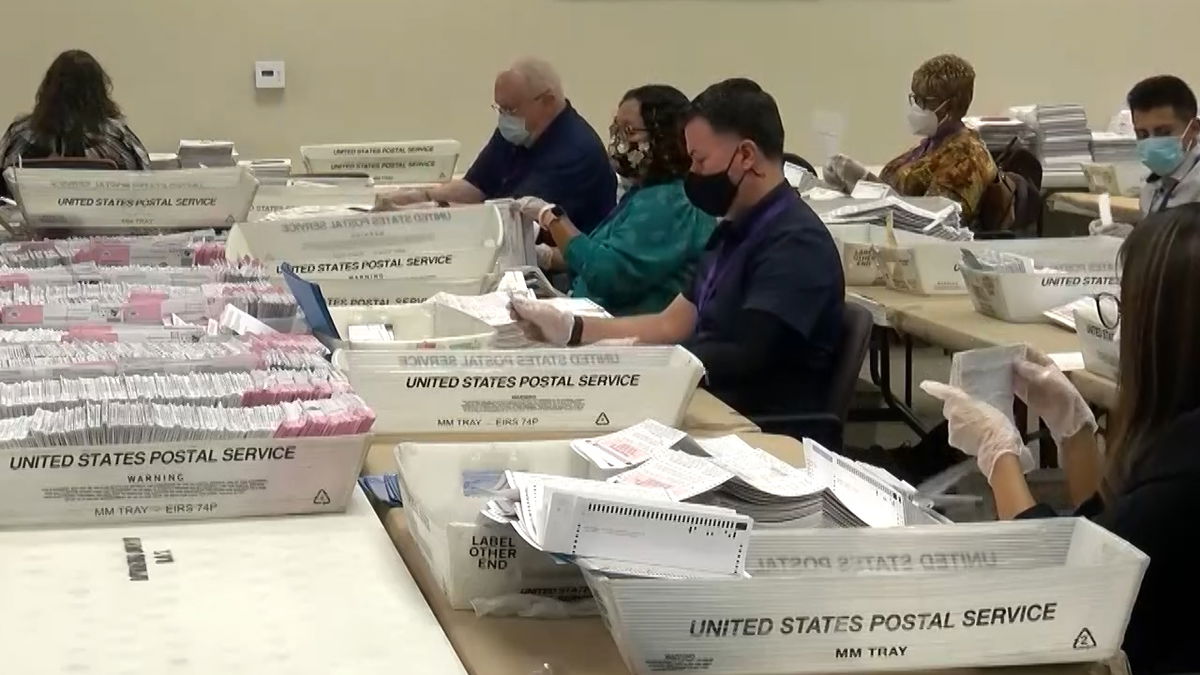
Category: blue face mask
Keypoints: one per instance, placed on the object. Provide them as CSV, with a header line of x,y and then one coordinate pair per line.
x,y
1161,154
512,128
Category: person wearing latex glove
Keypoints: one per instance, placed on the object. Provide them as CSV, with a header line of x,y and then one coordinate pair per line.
x,y
1119,230
843,173
982,431
543,322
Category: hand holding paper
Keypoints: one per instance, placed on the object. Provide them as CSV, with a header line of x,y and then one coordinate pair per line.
x,y
979,429
543,321
1051,396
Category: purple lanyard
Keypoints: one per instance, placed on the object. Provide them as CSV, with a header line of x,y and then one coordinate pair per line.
x,y
720,264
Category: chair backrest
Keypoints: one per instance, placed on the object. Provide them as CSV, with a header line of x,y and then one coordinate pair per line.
x,y
856,337
97,163
793,158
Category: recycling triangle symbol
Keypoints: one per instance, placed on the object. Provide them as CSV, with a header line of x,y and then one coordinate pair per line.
x,y
322,498
602,420
1084,640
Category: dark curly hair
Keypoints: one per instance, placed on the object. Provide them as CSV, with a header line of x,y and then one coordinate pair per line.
x,y
663,110
73,100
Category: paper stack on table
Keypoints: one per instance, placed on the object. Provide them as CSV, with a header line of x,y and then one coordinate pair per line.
x,y
625,524
1111,148
492,309
268,168
206,154
1064,140
998,132
944,223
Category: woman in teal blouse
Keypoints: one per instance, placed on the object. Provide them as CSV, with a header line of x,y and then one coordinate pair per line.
x,y
641,256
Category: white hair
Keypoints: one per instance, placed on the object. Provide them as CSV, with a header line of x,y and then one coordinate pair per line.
x,y
540,76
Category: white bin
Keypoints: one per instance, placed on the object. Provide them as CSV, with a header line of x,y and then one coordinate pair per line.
x,y
859,245
1086,265
364,293
413,326
912,598
493,393
470,556
1101,347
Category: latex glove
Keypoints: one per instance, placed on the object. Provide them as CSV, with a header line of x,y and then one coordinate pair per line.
x,y
1051,396
545,256
542,321
979,429
1120,230
844,173
532,207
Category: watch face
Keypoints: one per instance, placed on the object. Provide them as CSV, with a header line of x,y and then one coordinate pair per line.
x,y
557,211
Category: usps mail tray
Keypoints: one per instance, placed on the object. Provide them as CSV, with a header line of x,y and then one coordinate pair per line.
x,y
1101,346
1082,266
178,481
413,327
909,598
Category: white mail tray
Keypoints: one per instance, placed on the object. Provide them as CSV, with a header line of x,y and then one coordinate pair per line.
x,y
1086,265
497,393
859,244
421,326
178,481
911,598
1101,347
444,485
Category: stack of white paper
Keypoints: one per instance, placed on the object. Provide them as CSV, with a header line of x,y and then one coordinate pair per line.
x,y
1064,140
492,309
998,132
628,447
1110,148
625,523
268,168
942,223
1064,315
206,154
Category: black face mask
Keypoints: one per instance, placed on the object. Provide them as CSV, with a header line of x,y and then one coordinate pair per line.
x,y
712,193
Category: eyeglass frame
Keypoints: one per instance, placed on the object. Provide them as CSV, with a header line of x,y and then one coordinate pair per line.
x,y
626,131
1100,310
924,101
513,111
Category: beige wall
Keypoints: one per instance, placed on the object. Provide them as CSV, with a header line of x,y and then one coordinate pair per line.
x,y
404,69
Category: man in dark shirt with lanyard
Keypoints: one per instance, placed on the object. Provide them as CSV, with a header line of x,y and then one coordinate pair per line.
x,y
764,312
541,148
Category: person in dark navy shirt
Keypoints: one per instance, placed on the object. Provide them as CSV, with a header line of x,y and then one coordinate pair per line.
x,y
764,312
541,148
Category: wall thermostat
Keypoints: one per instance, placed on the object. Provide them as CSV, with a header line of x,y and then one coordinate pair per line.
x,y
268,74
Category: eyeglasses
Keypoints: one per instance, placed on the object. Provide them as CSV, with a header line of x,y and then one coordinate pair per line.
x,y
923,101
618,131
1108,306
503,110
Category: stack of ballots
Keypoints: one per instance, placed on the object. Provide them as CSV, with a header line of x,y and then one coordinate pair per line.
x,y
998,132
1064,140
1114,148
932,216
206,154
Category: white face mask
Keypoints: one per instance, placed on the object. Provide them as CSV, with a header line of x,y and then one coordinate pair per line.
x,y
922,122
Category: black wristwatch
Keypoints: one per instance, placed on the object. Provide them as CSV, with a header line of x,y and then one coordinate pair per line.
x,y
576,332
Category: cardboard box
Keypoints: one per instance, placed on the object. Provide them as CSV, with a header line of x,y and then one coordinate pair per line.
x,y
926,597
130,200
178,481
432,326
494,393
269,596
444,485
391,163
1087,264
1101,347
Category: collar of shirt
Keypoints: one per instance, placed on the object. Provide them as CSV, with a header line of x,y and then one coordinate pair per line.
x,y
736,231
553,130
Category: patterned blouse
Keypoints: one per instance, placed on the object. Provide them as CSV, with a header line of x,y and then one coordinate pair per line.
x,y
114,140
956,165
641,256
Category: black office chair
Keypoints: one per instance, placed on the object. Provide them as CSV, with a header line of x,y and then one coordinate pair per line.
x,y
793,158
826,426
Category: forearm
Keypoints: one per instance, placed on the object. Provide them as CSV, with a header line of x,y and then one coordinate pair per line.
x,y
457,191
1083,465
670,326
1009,488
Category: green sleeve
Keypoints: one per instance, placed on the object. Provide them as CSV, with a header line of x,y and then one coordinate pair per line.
x,y
640,247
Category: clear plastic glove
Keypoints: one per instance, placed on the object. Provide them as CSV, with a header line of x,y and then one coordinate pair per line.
x,y
843,173
545,256
393,201
1120,230
532,207
1051,396
542,321
979,429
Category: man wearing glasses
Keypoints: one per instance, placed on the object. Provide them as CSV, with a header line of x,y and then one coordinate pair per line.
x,y
541,148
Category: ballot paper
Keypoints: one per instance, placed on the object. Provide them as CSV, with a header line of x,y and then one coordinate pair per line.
x,y
628,447
998,261
627,523
682,475
987,374
494,309
944,223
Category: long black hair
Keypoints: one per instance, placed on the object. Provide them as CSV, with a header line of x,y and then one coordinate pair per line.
x,y
73,100
663,110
